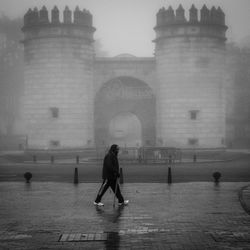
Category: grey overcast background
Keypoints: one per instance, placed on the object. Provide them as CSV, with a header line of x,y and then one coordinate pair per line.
x,y
126,26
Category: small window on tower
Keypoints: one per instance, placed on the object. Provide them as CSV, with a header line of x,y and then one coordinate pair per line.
x,y
193,141
54,143
54,112
193,114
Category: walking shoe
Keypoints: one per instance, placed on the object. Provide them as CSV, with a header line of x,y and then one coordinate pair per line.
x,y
99,204
123,203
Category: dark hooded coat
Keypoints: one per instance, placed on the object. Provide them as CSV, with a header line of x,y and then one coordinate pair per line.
x,y
110,168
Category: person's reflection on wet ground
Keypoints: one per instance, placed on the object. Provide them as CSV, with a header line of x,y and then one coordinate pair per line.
x,y
113,237
110,216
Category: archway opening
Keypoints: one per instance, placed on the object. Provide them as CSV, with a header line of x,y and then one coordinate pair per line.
x,y
125,130
125,113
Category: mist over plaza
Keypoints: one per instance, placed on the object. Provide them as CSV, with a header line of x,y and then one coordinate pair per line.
x,y
127,26
135,84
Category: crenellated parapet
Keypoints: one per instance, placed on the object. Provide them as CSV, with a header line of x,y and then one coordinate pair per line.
x,y
172,23
41,17
77,23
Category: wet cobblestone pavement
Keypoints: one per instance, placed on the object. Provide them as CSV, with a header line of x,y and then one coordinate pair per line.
x,y
51,215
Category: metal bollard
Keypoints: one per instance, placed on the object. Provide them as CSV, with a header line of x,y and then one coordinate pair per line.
x,y
34,158
217,176
52,159
27,176
170,159
77,159
169,175
121,176
76,176
195,158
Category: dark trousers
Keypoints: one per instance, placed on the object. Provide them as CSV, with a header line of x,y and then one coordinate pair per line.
x,y
105,185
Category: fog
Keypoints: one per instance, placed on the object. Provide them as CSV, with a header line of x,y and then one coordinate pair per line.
x,y
127,26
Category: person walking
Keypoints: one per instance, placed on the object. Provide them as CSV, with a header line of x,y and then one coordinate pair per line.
x,y
110,175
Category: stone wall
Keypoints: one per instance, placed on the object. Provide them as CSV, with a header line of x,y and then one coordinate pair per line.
x,y
187,77
106,69
57,104
190,63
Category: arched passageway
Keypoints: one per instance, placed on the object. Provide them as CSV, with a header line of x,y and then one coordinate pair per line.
x,y
125,113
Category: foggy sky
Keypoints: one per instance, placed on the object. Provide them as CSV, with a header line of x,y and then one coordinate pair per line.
x,y
126,26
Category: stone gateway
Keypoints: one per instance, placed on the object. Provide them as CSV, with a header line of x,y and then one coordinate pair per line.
x,y
74,99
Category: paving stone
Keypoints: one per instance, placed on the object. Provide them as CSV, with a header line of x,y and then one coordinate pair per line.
x,y
181,216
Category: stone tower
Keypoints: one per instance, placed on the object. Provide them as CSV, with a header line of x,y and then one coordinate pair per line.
x,y
190,70
58,98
